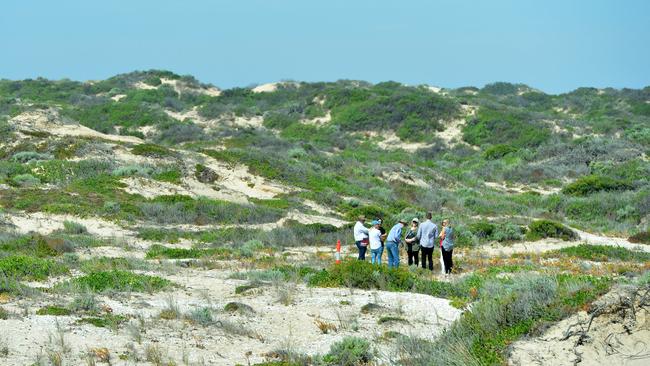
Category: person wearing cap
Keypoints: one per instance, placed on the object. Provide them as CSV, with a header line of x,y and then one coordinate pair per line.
x,y
412,244
392,243
427,233
361,237
383,231
447,245
376,247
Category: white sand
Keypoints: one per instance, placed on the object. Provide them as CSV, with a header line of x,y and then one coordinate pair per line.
x,y
49,121
266,88
43,223
277,325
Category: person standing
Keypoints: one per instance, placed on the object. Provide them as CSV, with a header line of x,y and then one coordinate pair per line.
x,y
412,244
376,247
361,237
447,246
427,234
392,243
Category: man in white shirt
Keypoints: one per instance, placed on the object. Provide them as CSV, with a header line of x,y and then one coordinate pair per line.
x,y
427,234
376,247
361,237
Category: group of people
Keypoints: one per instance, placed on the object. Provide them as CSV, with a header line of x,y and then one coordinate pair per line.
x,y
420,238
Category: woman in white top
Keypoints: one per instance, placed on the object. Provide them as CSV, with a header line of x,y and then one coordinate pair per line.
x,y
361,237
376,249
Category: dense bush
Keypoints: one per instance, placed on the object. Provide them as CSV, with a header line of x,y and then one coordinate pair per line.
x,y
549,229
414,113
151,150
595,183
641,237
30,268
26,180
482,229
350,351
497,126
71,227
502,88
27,156
498,151
128,114
177,132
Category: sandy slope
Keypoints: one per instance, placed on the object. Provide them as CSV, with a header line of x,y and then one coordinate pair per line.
x,y
49,121
618,336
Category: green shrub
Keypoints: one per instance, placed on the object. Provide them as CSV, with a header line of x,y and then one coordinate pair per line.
x,y
279,121
171,176
27,156
482,229
641,237
159,251
498,151
603,253
70,227
392,319
204,174
496,125
53,310
26,180
549,229
370,212
202,316
130,170
151,150
594,183
238,307
30,268
110,321
117,280
350,351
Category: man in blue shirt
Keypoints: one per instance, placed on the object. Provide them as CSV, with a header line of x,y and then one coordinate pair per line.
x,y
427,234
392,243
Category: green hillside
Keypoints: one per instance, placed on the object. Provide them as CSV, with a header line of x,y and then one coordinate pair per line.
x,y
505,151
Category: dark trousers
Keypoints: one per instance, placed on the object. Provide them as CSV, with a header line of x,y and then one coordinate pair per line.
x,y
446,258
362,250
413,257
427,253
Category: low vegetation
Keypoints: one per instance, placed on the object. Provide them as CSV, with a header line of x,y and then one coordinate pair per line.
x,y
119,281
549,229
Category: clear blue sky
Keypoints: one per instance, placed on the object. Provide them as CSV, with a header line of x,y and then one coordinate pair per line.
x,y
554,45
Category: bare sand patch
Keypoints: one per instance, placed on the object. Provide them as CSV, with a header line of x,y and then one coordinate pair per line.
x,y
266,88
318,121
520,188
50,122
390,141
43,223
404,178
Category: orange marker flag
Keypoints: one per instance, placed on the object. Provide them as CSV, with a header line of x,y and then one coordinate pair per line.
x,y
338,251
